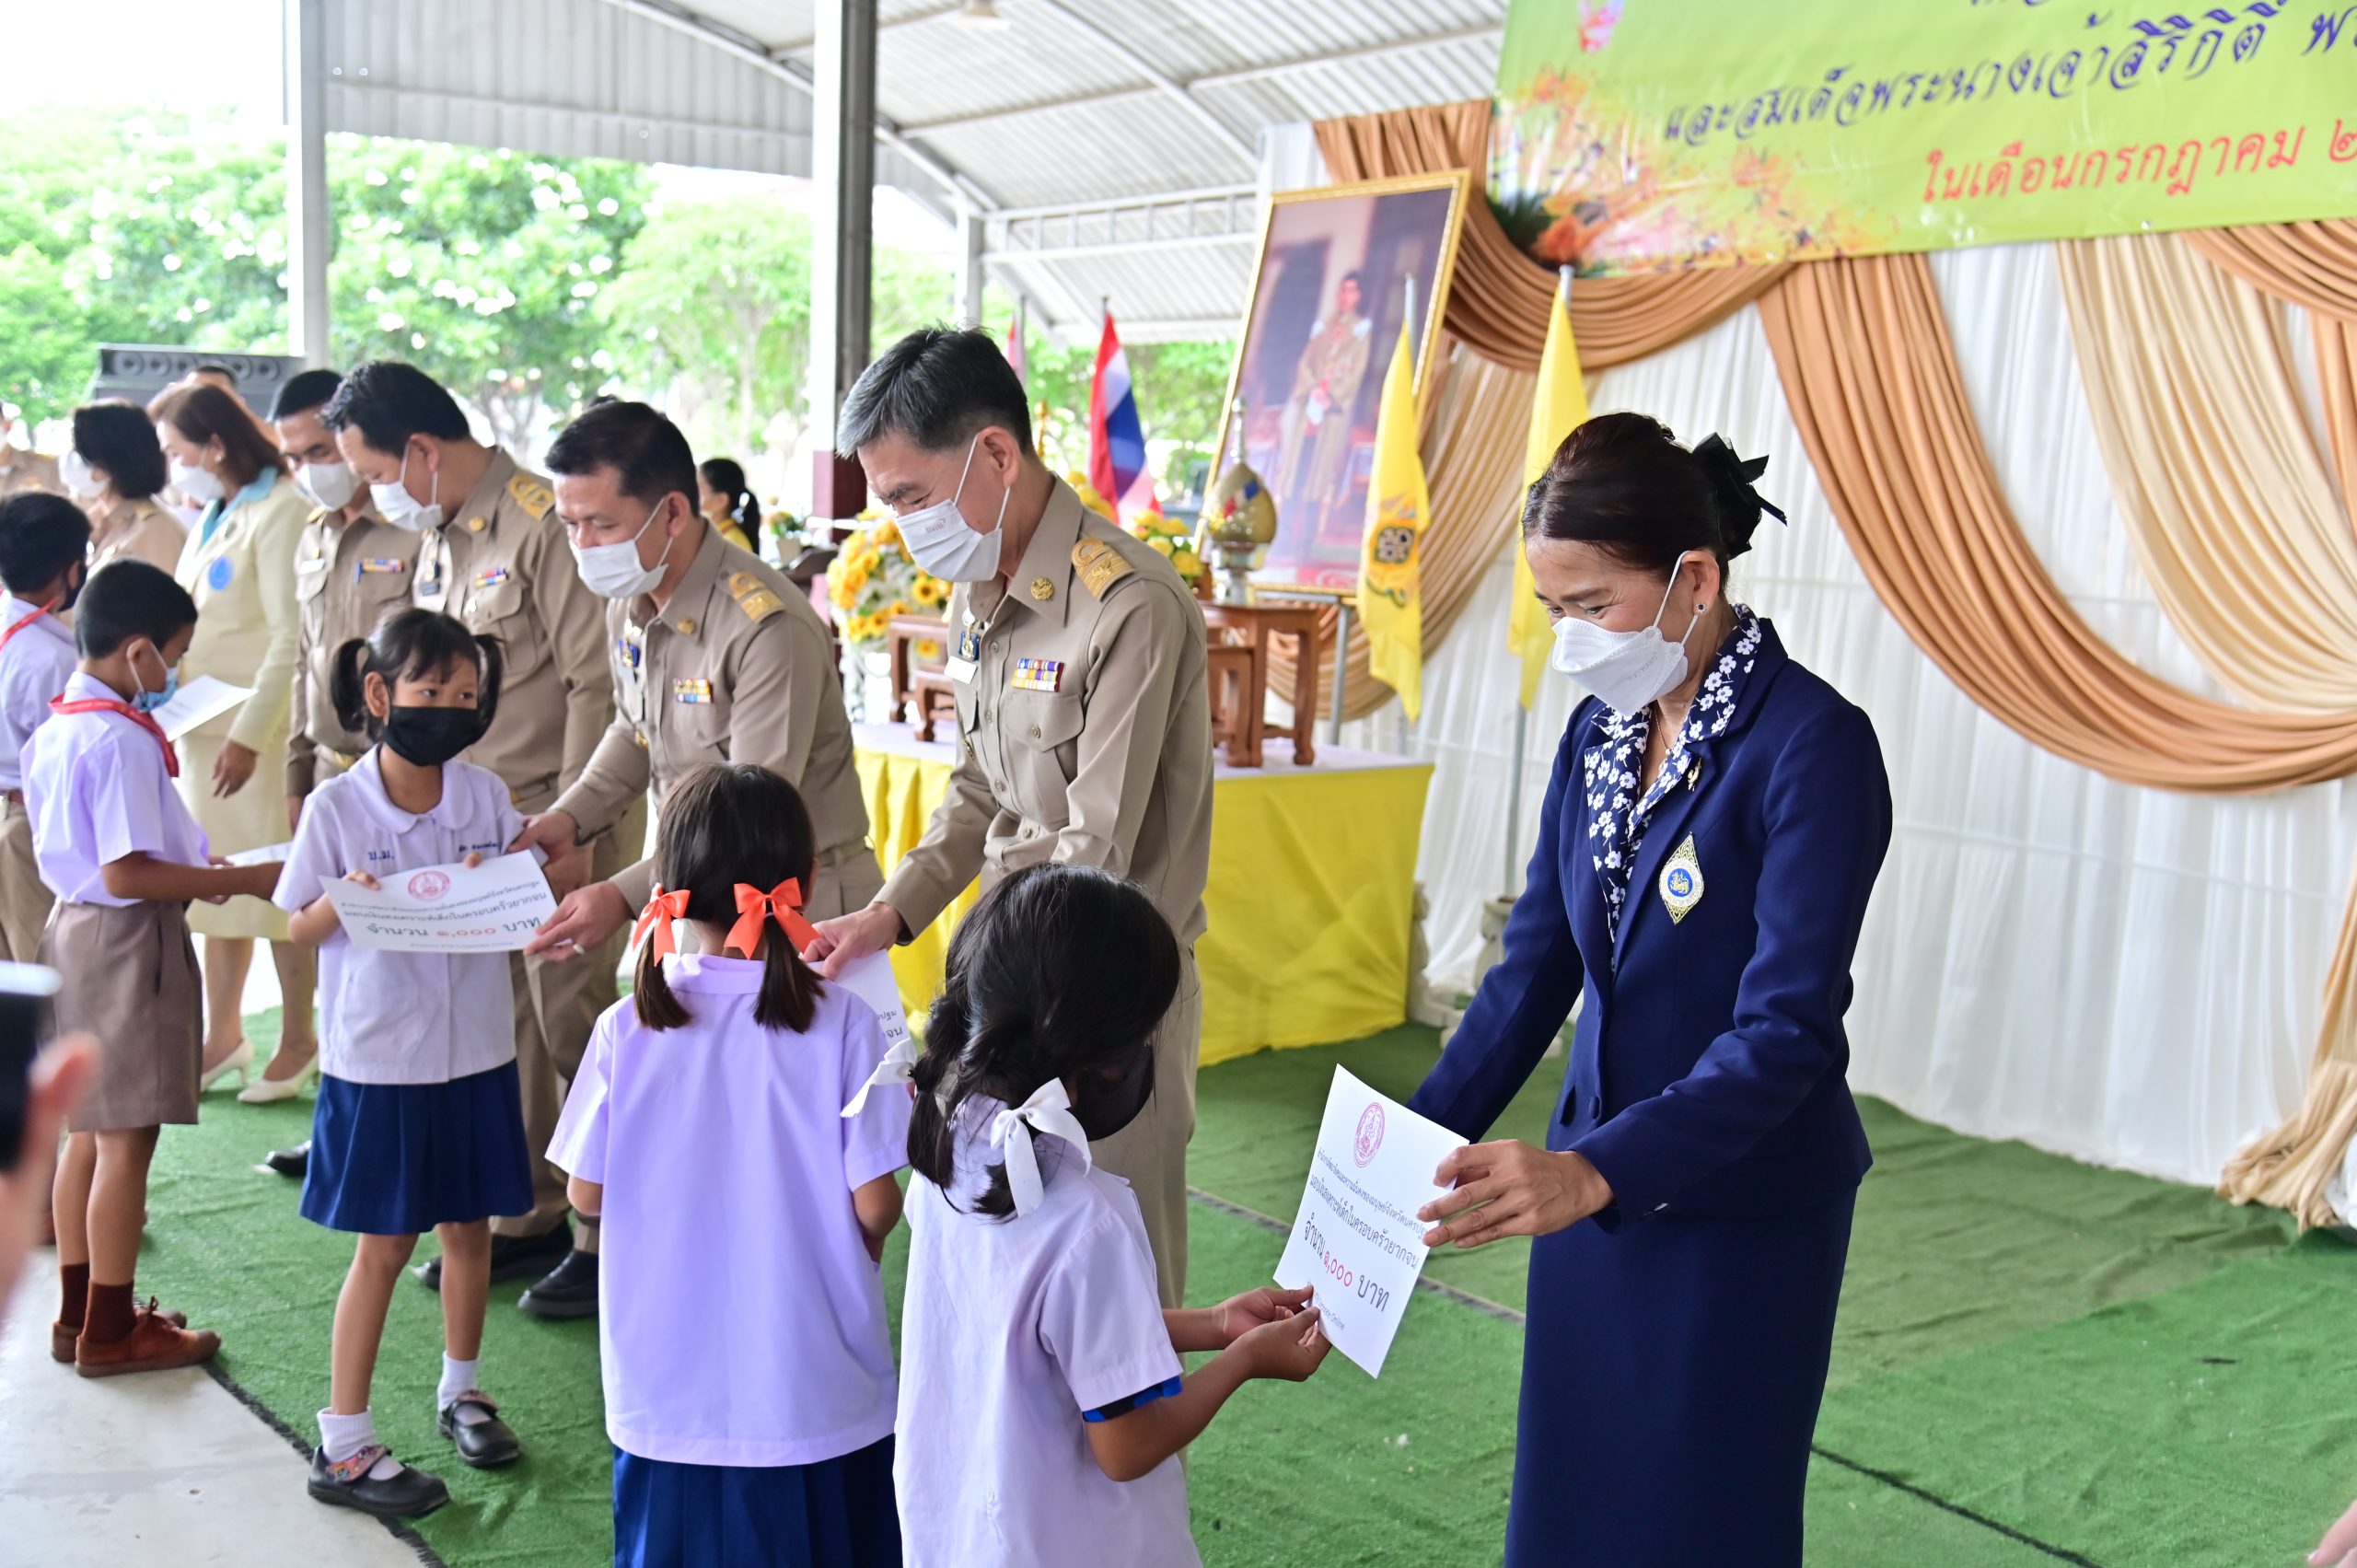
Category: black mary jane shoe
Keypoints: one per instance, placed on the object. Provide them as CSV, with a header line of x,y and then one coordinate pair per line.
x,y
407,1494
570,1290
291,1162
486,1444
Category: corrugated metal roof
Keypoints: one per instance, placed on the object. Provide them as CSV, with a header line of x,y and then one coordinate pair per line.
x,y
1071,101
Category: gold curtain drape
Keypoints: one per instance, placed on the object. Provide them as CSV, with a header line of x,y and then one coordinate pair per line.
x,y
1864,352
1497,306
2229,506
2313,266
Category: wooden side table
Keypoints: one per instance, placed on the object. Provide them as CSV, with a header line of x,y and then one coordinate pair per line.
x,y
1252,625
1233,673
928,686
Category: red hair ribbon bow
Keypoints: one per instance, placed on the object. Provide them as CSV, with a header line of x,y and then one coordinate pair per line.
x,y
660,911
782,902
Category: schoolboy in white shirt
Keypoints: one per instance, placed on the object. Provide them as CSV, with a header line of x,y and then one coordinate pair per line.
x,y
125,859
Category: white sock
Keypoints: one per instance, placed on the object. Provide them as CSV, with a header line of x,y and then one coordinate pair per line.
x,y
341,1436
458,1377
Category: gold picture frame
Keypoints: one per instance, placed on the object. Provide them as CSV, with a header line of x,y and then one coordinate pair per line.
x,y
1330,358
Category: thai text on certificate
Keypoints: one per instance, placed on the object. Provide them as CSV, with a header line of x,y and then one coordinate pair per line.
x,y
1357,1241
494,908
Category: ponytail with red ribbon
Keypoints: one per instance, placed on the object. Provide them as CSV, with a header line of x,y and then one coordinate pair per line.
x,y
782,902
660,911
735,837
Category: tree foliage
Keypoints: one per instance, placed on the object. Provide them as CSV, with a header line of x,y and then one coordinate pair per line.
x,y
480,267
714,303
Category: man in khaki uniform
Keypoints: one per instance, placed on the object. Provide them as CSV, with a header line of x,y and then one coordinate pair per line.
x,y
717,657
351,568
494,557
1082,704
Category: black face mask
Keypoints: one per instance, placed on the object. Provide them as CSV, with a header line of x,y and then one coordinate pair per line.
x,y
431,737
1108,1105
65,601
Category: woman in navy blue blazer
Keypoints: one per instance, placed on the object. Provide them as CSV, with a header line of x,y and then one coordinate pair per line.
x,y
1714,826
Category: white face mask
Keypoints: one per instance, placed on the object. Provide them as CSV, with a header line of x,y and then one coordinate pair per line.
x,y
612,571
1624,669
197,484
403,510
328,484
944,545
79,477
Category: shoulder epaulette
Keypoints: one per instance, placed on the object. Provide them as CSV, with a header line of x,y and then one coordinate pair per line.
x,y
532,495
1099,565
753,596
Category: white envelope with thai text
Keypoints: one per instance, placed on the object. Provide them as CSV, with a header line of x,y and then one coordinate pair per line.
x,y
1357,1240
490,908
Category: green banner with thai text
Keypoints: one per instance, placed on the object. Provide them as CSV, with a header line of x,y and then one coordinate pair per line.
x,y
1635,134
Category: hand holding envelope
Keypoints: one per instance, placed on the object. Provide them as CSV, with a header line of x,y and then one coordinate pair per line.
x,y
1356,1242
491,907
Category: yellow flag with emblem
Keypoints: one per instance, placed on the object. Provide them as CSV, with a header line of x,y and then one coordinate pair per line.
x,y
1560,408
1392,559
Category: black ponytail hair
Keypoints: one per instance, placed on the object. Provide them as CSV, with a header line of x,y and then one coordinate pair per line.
x,y
1061,970
1623,483
406,645
727,477
721,825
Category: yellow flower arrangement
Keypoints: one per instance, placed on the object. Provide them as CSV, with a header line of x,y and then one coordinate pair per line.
x,y
1088,496
874,578
1178,548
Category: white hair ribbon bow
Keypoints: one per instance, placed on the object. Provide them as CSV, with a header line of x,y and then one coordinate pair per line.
x,y
897,1067
1050,1110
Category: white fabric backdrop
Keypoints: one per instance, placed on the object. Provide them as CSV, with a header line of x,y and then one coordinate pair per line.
x,y
2122,974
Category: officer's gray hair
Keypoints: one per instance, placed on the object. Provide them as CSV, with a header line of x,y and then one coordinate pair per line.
x,y
935,387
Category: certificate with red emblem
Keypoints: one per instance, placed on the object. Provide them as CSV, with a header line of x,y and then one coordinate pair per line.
x,y
1357,1241
490,908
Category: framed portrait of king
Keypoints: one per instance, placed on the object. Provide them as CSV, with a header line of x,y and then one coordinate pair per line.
x,y
1330,286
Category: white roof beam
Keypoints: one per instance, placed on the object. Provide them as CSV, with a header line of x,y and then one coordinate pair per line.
x,y
730,40
1162,80
1117,246
1267,72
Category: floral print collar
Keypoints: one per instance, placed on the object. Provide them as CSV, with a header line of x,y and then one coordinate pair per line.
x,y
1617,815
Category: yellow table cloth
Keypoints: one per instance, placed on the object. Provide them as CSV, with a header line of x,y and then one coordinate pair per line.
x,y
1311,899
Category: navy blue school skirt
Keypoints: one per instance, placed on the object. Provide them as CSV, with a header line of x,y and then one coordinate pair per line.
x,y
397,1159
835,1513
1671,1374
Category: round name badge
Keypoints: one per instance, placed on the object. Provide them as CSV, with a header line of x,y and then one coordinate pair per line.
x,y
217,577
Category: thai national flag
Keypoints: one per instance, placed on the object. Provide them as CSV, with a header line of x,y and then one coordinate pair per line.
x,y
1116,436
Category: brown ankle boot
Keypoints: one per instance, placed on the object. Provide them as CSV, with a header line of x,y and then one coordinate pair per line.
x,y
155,1344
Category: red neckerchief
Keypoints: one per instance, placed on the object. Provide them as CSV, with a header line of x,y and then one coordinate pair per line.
x,y
116,705
39,610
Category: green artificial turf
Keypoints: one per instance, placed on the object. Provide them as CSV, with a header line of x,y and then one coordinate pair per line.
x,y
2037,1361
